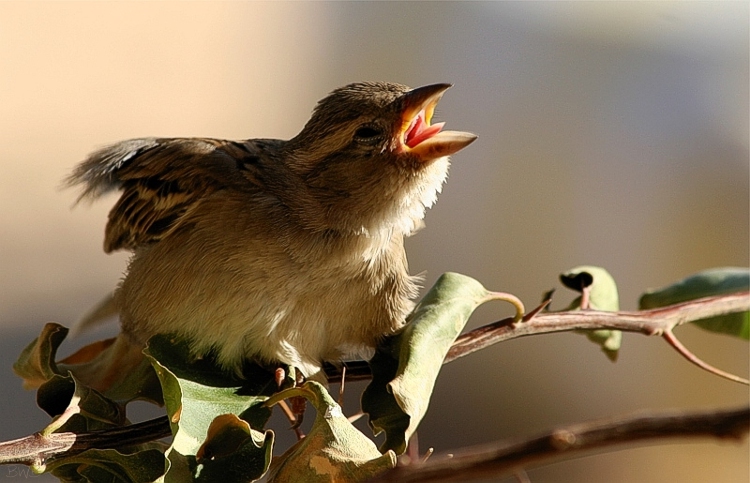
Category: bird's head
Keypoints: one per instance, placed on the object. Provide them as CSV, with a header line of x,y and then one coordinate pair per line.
x,y
372,158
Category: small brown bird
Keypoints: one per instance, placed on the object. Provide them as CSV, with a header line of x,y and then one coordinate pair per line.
x,y
279,251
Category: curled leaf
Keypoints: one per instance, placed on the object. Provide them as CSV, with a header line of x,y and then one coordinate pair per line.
x,y
36,364
77,408
599,292
196,392
233,451
113,367
334,450
98,465
405,366
601,287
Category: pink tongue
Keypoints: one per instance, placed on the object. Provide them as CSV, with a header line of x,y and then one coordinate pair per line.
x,y
421,131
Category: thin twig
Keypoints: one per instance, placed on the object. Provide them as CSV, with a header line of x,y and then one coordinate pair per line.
x,y
685,352
504,458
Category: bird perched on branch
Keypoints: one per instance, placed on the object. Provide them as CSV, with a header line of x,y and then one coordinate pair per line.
x,y
278,251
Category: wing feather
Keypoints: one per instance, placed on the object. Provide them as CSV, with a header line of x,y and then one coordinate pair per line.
x,y
162,181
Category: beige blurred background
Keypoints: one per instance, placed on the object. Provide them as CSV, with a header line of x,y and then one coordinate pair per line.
x,y
613,134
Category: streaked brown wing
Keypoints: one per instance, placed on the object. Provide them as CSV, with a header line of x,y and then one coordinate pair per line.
x,y
162,180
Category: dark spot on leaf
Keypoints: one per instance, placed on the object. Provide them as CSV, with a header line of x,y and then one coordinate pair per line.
x,y
578,281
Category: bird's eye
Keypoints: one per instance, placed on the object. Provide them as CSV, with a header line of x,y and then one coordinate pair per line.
x,y
368,134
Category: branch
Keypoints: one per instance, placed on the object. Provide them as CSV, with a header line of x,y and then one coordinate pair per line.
x,y
505,458
649,322
38,448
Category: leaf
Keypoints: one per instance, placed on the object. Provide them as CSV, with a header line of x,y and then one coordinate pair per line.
x,y
334,450
117,368
601,285
77,408
405,366
715,281
248,460
80,409
195,393
233,451
92,365
36,364
602,295
98,465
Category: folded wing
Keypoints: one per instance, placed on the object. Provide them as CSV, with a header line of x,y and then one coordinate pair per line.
x,y
162,181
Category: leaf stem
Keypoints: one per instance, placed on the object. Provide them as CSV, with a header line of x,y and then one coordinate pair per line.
x,y
511,299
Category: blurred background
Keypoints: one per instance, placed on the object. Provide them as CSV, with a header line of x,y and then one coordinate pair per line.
x,y
612,134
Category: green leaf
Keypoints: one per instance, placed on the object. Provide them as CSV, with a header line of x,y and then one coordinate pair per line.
x,y
334,450
602,296
715,281
233,451
36,364
135,382
90,364
100,465
195,393
80,409
405,366
601,285
77,408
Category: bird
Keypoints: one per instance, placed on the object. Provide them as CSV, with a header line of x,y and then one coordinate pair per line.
x,y
276,251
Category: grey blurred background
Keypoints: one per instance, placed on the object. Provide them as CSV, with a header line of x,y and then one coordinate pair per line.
x,y
613,134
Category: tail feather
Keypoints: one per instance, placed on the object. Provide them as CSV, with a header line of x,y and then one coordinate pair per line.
x,y
106,308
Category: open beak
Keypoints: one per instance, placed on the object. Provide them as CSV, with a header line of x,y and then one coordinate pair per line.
x,y
418,136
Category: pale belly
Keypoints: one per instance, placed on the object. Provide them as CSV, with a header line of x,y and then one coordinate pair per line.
x,y
260,306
